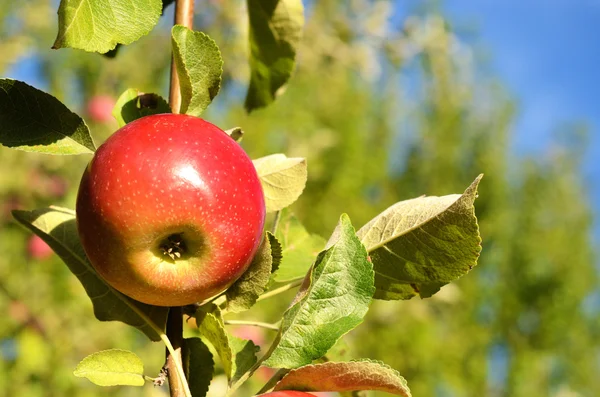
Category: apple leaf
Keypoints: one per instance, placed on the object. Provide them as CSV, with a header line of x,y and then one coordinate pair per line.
x,y
333,300
242,295
244,352
211,328
112,368
199,67
133,104
299,248
58,228
276,252
275,33
99,25
198,362
419,245
236,133
34,121
283,179
235,353
345,376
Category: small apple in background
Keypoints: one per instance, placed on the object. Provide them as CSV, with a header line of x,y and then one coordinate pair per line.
x,y
38,249
170,210
248,332
100,107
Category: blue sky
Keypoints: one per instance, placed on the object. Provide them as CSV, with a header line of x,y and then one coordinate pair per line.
x,y
547,52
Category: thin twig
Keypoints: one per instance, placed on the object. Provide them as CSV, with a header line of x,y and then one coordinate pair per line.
x,y
274,327
280,290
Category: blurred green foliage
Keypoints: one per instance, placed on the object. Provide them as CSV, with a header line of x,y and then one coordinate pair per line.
x,y
383,111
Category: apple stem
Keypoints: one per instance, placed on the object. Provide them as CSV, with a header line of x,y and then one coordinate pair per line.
x,y
184,15
175,335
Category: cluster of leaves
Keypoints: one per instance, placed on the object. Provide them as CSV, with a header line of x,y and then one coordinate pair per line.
x,y
413,248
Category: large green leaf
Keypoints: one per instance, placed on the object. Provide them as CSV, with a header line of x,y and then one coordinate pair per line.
x,y
275,32
300,248
333,300
199,67
99,25
242,295
57,227
35,121
345,376
283,179
112,368
418,245
133,104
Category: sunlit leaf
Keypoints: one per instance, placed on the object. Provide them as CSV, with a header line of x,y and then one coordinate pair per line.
x,y
58,228
112,368
333,300
99,25
35,121
133,105
199,67
345,376
299,248
283,179
275,32
418,245
237,355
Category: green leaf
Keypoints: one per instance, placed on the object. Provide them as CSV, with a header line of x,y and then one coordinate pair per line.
x,y
419,245
199,365
345,376
237,355
276,252
58,228
283,179
199,67
242,295
112,368
333,300
34,121
133,104
244,353
236,133
275,33
300,248
99,25
211,328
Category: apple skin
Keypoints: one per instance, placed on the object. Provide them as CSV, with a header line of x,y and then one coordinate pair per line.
x,y
167,182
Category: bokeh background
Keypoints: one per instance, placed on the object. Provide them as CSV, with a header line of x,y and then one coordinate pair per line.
x,y
390,100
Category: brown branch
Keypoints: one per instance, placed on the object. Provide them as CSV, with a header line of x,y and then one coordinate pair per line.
x,y
175,335
184,15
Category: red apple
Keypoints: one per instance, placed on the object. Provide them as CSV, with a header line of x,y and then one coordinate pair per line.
x,y
170,210
100,108
38,249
